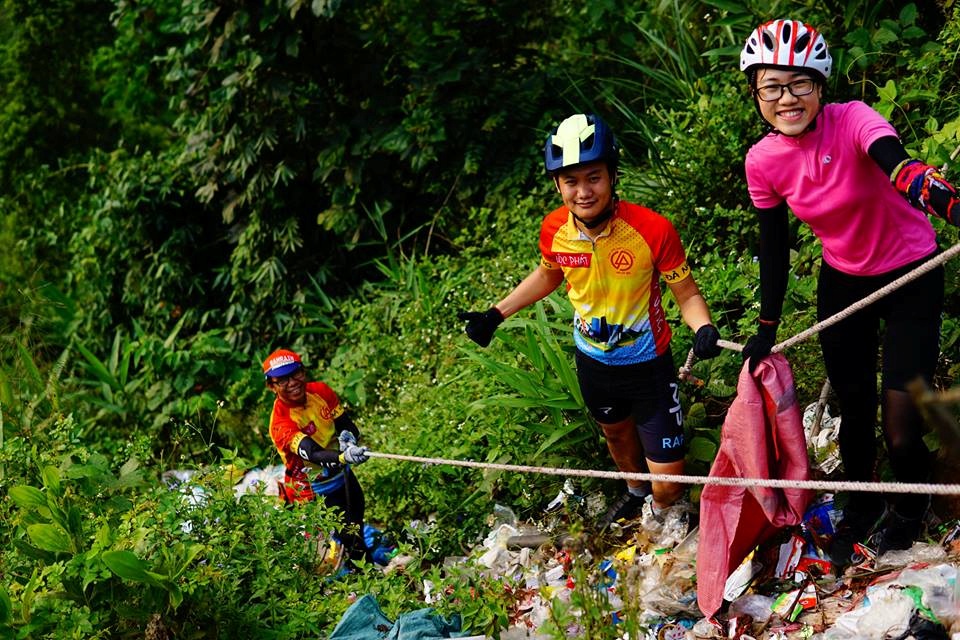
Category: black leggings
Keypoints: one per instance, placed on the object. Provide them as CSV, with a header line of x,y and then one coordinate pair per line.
x,y
350,500
905,326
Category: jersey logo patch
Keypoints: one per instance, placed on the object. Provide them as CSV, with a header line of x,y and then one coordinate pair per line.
x,y
572,259
622,260
309,429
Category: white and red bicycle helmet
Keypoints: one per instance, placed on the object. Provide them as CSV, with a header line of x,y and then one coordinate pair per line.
x,y
787,43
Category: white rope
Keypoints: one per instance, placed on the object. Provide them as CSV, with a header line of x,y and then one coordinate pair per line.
x,y
910,276
686,375
929,265
778,483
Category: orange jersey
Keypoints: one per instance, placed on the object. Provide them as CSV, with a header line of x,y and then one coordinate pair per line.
x,y
290,425
613,281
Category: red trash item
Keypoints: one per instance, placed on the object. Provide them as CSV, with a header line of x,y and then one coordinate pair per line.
x,y
762,437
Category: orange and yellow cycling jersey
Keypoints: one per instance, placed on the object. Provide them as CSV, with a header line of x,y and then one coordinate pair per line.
x,y
613,280
290,425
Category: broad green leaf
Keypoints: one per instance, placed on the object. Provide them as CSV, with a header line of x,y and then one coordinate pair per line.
x,y
27,497
129,467
126,565
188,554
51,479
74,521
49,537
702,449
913,33
908,15
97,368
888,91
6,607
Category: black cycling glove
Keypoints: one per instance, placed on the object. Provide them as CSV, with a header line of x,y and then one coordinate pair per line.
x,y
759,345
705,342
481,324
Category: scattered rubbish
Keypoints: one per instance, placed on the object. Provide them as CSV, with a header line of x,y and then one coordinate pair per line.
x,y
822,438
785,589
565,494
741,577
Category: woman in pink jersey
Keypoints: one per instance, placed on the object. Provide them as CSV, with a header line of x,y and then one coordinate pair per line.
x,y
612,255
842,170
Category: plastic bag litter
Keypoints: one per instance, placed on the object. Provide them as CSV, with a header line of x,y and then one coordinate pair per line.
x,y
755,605
826,451
268,480
886,613
919,552
664,580
939,586
565,494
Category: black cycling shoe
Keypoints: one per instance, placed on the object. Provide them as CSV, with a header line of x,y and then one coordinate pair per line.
x,y
858,519
627,507
898,532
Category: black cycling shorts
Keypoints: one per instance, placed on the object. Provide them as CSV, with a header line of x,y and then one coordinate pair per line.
x,y
648,391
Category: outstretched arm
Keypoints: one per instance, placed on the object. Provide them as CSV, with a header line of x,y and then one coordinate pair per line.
x,y
536,286
921,184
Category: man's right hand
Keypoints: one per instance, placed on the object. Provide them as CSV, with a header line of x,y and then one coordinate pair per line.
x,y
354,454
481,324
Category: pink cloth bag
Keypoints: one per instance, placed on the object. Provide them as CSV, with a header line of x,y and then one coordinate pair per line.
x,y
762,437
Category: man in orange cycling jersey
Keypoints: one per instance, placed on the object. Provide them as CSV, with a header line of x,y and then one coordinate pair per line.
x,y
317,442
612,255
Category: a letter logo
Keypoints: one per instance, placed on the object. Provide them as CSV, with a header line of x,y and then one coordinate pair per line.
x,y
622,260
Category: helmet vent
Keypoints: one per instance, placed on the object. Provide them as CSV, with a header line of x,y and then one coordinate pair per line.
x,y
801,43
767,41
785,34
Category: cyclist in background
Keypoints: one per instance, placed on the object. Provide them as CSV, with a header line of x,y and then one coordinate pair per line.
x,y
317,442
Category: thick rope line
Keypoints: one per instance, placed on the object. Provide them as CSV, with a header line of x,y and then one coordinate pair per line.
x,y
906,278
910,276
778,483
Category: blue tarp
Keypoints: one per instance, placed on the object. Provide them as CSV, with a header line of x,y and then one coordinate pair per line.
x,y
365,621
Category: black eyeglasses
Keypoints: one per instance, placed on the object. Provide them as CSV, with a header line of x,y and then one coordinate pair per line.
x,y
797,88
283,381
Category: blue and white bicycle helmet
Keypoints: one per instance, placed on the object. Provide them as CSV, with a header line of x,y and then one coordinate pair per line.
x,y
578,139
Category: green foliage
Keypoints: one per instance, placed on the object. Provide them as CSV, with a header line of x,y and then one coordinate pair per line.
x,y
50,111
191,184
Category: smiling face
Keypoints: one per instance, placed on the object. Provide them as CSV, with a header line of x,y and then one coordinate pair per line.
x,y
586,189
290,389
790,114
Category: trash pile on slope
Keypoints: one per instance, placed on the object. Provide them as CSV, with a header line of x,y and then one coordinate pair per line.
x,y
785,589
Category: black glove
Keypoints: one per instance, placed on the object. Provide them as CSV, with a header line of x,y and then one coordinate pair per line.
x,y
758,346
481,325
705,342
